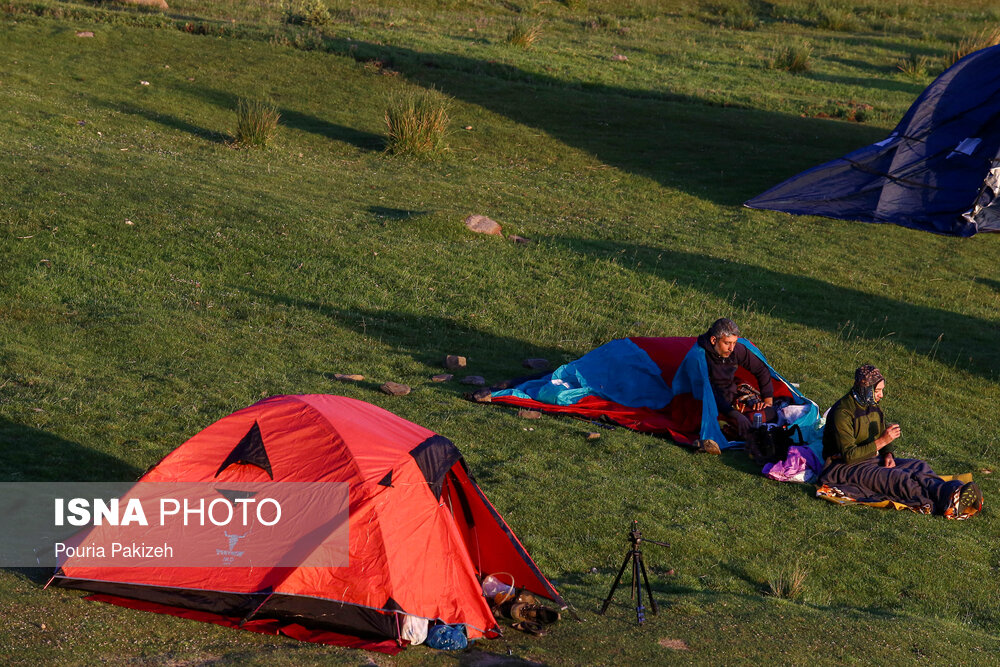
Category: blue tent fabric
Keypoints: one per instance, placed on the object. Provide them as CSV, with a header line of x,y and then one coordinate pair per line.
x,y
938,171
618,371
622,372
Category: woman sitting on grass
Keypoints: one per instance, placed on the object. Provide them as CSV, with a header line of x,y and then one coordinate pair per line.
x,y
861,465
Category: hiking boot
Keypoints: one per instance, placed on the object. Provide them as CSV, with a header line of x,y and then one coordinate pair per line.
x,y
970,500
707,446
965,502
534,613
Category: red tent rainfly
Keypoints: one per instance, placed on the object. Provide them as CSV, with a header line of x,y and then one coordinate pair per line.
x,y
422,534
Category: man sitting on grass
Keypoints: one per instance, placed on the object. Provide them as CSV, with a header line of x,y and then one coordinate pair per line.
x,y
724,355
860,463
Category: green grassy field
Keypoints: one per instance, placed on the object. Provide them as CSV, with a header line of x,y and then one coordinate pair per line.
x,y
155,279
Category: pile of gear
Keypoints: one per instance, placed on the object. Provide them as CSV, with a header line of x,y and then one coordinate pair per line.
x,y
520,606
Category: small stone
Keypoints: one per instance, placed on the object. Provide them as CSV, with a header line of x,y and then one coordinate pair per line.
x,y
520,240
85,33
477,380
453,362
483,225
529,414
593,436
536,364
619,58
442,377
395,389
482,396
349,378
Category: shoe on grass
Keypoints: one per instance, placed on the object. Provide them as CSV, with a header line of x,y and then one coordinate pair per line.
x,y
534,613
708,446
970,500
965,502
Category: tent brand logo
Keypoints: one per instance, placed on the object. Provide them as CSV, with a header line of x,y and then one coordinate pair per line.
x,y
230,555
174,524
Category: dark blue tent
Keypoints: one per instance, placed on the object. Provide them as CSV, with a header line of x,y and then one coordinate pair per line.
x,y
938,171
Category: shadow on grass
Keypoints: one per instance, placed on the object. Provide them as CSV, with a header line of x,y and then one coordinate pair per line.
x,y
167,120
296,120
30,455
968,344
989,282
348,135
664,136
385,213
429,338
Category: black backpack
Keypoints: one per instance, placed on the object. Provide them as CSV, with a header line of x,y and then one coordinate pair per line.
x,y
770,445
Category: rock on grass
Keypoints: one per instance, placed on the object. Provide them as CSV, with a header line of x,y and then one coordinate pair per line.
x,y
395,389
483,225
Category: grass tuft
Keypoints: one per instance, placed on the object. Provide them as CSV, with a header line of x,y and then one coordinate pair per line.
x,y
313,13
793,58
256,123
737,17
984,39
788,583
524,33
913,66
838,20
416,123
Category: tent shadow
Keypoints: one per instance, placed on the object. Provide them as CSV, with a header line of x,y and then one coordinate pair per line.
x,y
31,455
650,133
793,298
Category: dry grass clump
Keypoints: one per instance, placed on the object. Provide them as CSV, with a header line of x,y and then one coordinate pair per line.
x,y
788,584
524,33
793,58
256,123
416,123
982,40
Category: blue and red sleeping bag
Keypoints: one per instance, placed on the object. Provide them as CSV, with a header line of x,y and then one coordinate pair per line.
x,y
651,385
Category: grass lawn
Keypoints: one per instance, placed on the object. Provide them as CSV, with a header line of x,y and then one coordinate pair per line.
x,y
154,279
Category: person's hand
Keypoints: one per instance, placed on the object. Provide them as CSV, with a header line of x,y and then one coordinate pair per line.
x,y
891,433
888,461
760,405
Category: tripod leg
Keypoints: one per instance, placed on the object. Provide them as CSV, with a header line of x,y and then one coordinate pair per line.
x,y
604,607
645,578
640,610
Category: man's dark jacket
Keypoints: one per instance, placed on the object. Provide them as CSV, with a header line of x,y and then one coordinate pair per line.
x,y
722,373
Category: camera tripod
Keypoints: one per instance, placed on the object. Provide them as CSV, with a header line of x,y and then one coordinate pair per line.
x,y
638,566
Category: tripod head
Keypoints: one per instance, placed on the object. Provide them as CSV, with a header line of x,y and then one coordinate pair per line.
x,y
636,537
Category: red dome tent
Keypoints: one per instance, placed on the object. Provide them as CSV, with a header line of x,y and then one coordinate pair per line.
x,y
422,533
